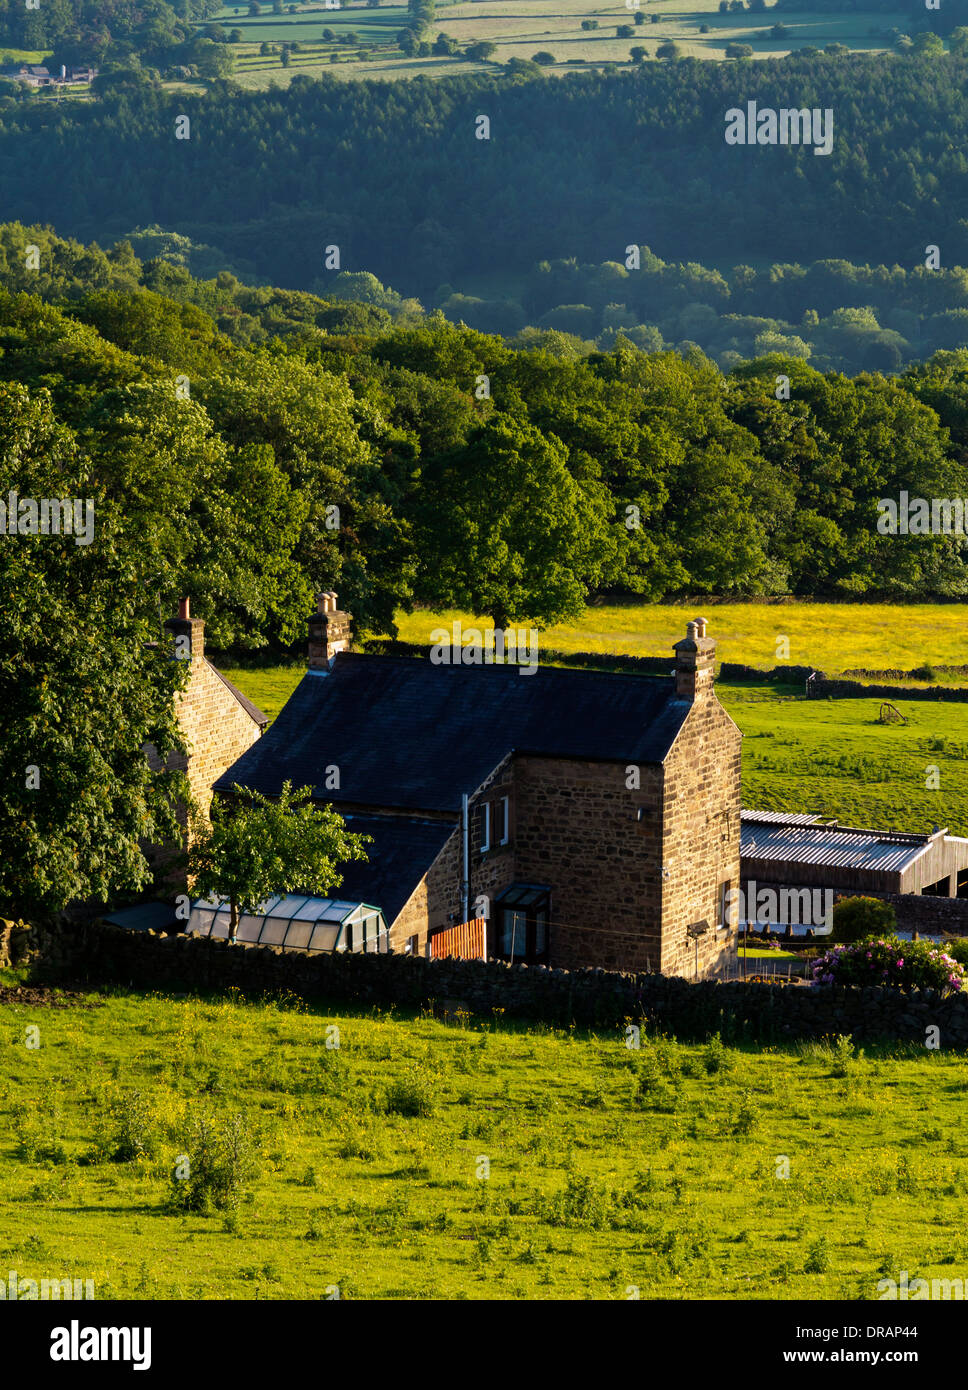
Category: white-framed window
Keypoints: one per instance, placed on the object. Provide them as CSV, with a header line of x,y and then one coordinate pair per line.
x,y
485,826
504,820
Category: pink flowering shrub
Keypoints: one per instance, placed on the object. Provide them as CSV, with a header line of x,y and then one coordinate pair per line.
x,y
885,960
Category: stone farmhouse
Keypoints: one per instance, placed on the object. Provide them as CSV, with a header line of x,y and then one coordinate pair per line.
x,y
592,818
217,721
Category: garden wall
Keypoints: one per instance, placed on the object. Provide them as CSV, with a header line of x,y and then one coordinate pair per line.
x,y
96,954
822,687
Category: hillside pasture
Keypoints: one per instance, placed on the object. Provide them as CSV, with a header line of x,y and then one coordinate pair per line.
x,y
471,1160
835,637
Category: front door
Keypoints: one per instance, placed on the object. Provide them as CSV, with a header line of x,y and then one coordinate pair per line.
x,y
522,929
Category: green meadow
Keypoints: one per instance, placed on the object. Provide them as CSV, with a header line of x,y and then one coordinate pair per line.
x,y
467,1160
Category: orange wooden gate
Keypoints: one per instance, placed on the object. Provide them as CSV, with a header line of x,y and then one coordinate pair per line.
x,y
466,941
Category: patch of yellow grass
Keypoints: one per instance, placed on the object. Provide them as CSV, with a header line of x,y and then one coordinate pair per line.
x,y
832,636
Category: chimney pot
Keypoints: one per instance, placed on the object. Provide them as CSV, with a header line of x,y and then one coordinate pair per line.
x,y
328,633
189,632
695,661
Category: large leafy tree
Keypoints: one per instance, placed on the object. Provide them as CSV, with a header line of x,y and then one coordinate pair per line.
x,y
505,530
256,846
352,536
84,682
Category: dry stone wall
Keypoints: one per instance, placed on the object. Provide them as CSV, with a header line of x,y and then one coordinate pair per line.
x,y
95,954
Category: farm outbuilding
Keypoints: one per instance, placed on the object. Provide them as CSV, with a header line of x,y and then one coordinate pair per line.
x,y
809,851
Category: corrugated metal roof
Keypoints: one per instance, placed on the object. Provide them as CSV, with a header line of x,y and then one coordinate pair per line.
x,y
779,817
799,839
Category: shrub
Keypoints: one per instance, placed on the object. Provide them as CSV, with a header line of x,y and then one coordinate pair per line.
x,y
818,1258
543,59
716,1057
125,1130
221,1163
739,50
890,961
583,1204
747,1116
410,1095
37,1135
957,949
855,919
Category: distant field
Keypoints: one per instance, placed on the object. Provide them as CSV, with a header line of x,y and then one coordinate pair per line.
x,y
521,28
834,637
607,1168
831,757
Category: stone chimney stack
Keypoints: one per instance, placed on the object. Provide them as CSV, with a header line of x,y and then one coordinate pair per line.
x,y
188,633
330,631
695,661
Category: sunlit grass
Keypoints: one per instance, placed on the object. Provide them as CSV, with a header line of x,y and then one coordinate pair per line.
x,y
608,1168
833,637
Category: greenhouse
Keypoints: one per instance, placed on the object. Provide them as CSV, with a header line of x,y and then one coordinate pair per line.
x,y
297,923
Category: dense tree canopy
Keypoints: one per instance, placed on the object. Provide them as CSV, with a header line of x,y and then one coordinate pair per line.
x,y
400,458
84,681
581,166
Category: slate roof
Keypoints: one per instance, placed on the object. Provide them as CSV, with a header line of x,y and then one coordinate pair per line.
x,y
403,849
408,734
805,840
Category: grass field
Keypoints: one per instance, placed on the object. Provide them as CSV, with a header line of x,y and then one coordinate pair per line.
x,y
833,757
609,1170
834,637
520,28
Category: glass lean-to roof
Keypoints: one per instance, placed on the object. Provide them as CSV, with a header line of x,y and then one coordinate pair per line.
x,y
296,922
